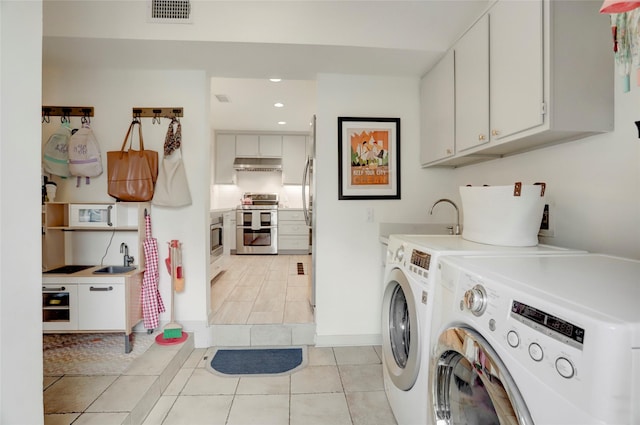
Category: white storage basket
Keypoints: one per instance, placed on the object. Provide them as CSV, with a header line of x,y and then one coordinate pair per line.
x,y
503,215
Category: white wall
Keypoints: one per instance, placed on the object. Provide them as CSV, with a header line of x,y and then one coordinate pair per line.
x,y
113,93
20,271
348,279
593,184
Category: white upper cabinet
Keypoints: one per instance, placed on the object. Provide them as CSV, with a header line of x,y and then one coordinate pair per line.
x,y
225,153
516,67
253,145
294,156
550,80
437,96
472,87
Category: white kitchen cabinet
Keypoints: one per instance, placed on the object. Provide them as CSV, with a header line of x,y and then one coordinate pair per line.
x,y
229,237
225,153
437,97
293,232
101,306
254,145
294,156
550,80
472,87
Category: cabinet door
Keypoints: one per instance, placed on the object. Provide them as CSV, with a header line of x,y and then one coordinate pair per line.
x,y
294,156
247,145
437,99
101,306
270,146
472,87
225,153
516,63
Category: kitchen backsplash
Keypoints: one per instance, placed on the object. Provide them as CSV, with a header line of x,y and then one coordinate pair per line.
x,y
228,196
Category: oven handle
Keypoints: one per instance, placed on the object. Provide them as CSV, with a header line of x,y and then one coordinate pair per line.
x,y
48,289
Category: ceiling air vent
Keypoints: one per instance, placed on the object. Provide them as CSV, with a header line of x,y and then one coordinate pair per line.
x,y
170,11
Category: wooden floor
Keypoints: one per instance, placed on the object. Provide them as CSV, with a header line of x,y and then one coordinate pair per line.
x,y
263,289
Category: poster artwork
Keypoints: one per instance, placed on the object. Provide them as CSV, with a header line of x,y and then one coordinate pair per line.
x,y
370,157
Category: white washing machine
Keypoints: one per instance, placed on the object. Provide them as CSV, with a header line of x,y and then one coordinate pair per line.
x,y
409,302
545,340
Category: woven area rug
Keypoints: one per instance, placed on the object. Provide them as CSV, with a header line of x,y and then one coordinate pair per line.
x,y
258,361
91,354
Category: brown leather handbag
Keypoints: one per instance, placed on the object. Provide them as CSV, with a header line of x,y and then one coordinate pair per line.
x,y
132,174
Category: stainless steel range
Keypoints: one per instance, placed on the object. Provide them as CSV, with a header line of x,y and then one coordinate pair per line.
x,y
257,224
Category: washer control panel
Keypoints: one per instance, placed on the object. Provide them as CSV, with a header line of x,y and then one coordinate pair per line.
x,y
544,342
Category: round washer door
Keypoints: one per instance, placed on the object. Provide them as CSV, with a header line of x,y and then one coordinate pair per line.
x,y
471,384
400,331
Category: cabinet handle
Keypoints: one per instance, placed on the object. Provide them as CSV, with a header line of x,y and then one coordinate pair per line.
x,y
481,137
495,132
109,223
93,288
45,288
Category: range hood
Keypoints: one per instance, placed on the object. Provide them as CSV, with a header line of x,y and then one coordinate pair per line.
x,y
257,164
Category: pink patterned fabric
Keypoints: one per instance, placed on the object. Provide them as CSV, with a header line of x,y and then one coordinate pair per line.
x,y
152,304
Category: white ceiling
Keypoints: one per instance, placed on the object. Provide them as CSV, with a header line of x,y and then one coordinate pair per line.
x,y
395,38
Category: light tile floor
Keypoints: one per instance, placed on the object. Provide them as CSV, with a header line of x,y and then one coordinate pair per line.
x,y
262,289
340,385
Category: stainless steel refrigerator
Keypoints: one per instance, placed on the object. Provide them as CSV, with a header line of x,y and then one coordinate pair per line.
x,y
308,199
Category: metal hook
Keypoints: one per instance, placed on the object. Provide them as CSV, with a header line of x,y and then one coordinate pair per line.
x,y
156,116
45,116
86,118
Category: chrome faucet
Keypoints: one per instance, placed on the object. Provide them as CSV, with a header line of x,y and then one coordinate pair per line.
x,y
128,259
455,231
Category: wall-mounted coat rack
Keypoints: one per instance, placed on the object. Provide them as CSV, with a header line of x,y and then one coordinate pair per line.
x,y
66,112
157,112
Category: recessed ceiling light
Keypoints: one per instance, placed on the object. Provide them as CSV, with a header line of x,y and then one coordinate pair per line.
x,y
278,104
282,122
275,80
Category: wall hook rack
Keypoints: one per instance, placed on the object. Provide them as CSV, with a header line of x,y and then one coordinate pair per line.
x,y
66,112
157,113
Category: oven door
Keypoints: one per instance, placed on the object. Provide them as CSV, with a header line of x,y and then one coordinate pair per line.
x,y
256,232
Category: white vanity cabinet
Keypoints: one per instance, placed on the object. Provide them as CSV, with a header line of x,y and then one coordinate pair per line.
x,y
293,232
437,98
550,81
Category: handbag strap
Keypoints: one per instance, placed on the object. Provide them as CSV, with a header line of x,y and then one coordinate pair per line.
x,y
124,143
173,141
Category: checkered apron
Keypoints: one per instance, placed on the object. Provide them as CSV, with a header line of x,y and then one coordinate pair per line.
x,y
152,304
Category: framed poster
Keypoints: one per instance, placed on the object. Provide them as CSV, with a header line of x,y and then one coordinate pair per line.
x,y
368,158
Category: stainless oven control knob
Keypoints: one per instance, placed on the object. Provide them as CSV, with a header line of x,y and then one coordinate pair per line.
x,y
475,300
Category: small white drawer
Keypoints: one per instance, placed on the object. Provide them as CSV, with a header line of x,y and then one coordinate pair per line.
x,y
290,215
295,228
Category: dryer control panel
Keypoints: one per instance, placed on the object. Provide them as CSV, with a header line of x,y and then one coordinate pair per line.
x,y
420,259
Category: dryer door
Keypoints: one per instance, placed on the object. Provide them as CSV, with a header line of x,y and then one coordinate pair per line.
x,y
471,384
400,331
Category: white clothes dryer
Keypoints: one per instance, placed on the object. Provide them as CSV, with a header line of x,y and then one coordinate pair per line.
x,y
545,340
409,302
